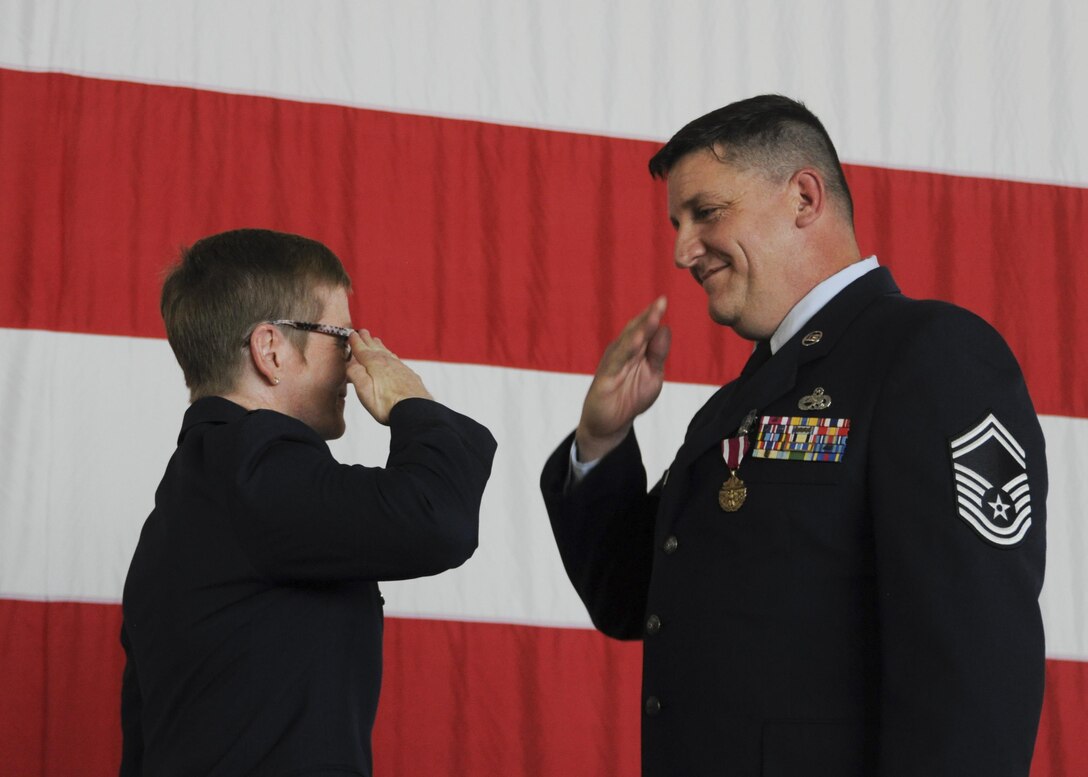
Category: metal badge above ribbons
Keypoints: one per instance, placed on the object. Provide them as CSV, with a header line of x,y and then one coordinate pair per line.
x,y
817,400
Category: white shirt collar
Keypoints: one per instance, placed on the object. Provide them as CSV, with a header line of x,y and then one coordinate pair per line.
x,y
821,294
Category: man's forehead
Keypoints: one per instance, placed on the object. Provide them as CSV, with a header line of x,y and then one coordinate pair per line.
x,y
699,174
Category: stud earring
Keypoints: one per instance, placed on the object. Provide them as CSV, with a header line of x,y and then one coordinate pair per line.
x,y
275,381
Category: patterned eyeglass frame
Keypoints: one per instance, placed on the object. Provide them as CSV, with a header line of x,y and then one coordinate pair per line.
x,y
321,329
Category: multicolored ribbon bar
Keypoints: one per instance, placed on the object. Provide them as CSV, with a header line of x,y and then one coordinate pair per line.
x,y
801,438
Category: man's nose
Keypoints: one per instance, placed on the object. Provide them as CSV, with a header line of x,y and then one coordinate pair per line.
x,y
689,247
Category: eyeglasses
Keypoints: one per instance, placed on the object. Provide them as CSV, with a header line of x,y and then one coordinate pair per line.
x,y
321,329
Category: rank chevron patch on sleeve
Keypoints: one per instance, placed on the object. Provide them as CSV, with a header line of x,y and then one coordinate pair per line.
x,y
991,476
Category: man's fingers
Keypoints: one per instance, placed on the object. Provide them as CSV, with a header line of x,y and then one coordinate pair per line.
x,y
648,318
643,326
658,348
657,310
633,340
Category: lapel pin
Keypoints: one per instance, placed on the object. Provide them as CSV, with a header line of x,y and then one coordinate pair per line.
x,y
812,337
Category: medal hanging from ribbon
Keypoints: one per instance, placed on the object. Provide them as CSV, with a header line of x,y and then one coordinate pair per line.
x,y
733,491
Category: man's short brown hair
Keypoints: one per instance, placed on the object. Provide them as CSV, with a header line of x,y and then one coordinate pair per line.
x,y
226,284
772,133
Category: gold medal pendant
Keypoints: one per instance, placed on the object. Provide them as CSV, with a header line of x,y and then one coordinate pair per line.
x,y
733,491
732,494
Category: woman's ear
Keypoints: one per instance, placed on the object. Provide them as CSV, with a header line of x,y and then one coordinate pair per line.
x,y
266,346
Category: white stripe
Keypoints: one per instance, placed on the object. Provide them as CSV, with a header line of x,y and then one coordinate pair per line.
x,y
88,422
84,422
970,501
990,433
1017,484
970,476
1006,536
962,86
1065,593
1006,435
83,456
970,484
970,511
972,516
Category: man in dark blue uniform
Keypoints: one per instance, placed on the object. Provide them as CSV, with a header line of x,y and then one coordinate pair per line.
x,y
839,573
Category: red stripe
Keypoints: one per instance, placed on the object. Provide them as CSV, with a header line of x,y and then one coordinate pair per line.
x,y
469,242
60,684
489,700
1061,748
457,698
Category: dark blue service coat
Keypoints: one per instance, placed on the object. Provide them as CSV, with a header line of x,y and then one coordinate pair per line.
x,y
876,615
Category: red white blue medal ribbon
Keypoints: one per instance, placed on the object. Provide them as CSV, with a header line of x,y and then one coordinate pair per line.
x,y
733,492
734,450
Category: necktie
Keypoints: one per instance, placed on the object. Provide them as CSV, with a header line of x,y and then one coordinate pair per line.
x,y
760,355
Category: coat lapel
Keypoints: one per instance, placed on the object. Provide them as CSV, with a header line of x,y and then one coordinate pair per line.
x,y
771,380
777,375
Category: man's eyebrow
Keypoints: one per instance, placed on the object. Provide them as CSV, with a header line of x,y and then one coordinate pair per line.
x,y
693,200
690,204
699,199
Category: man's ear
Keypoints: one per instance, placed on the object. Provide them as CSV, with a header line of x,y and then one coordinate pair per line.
x,y
810,195
266,350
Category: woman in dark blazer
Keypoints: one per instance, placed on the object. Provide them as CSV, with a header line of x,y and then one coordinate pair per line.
x,y
252,615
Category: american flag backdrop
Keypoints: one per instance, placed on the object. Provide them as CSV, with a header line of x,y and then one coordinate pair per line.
x,y
480,167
